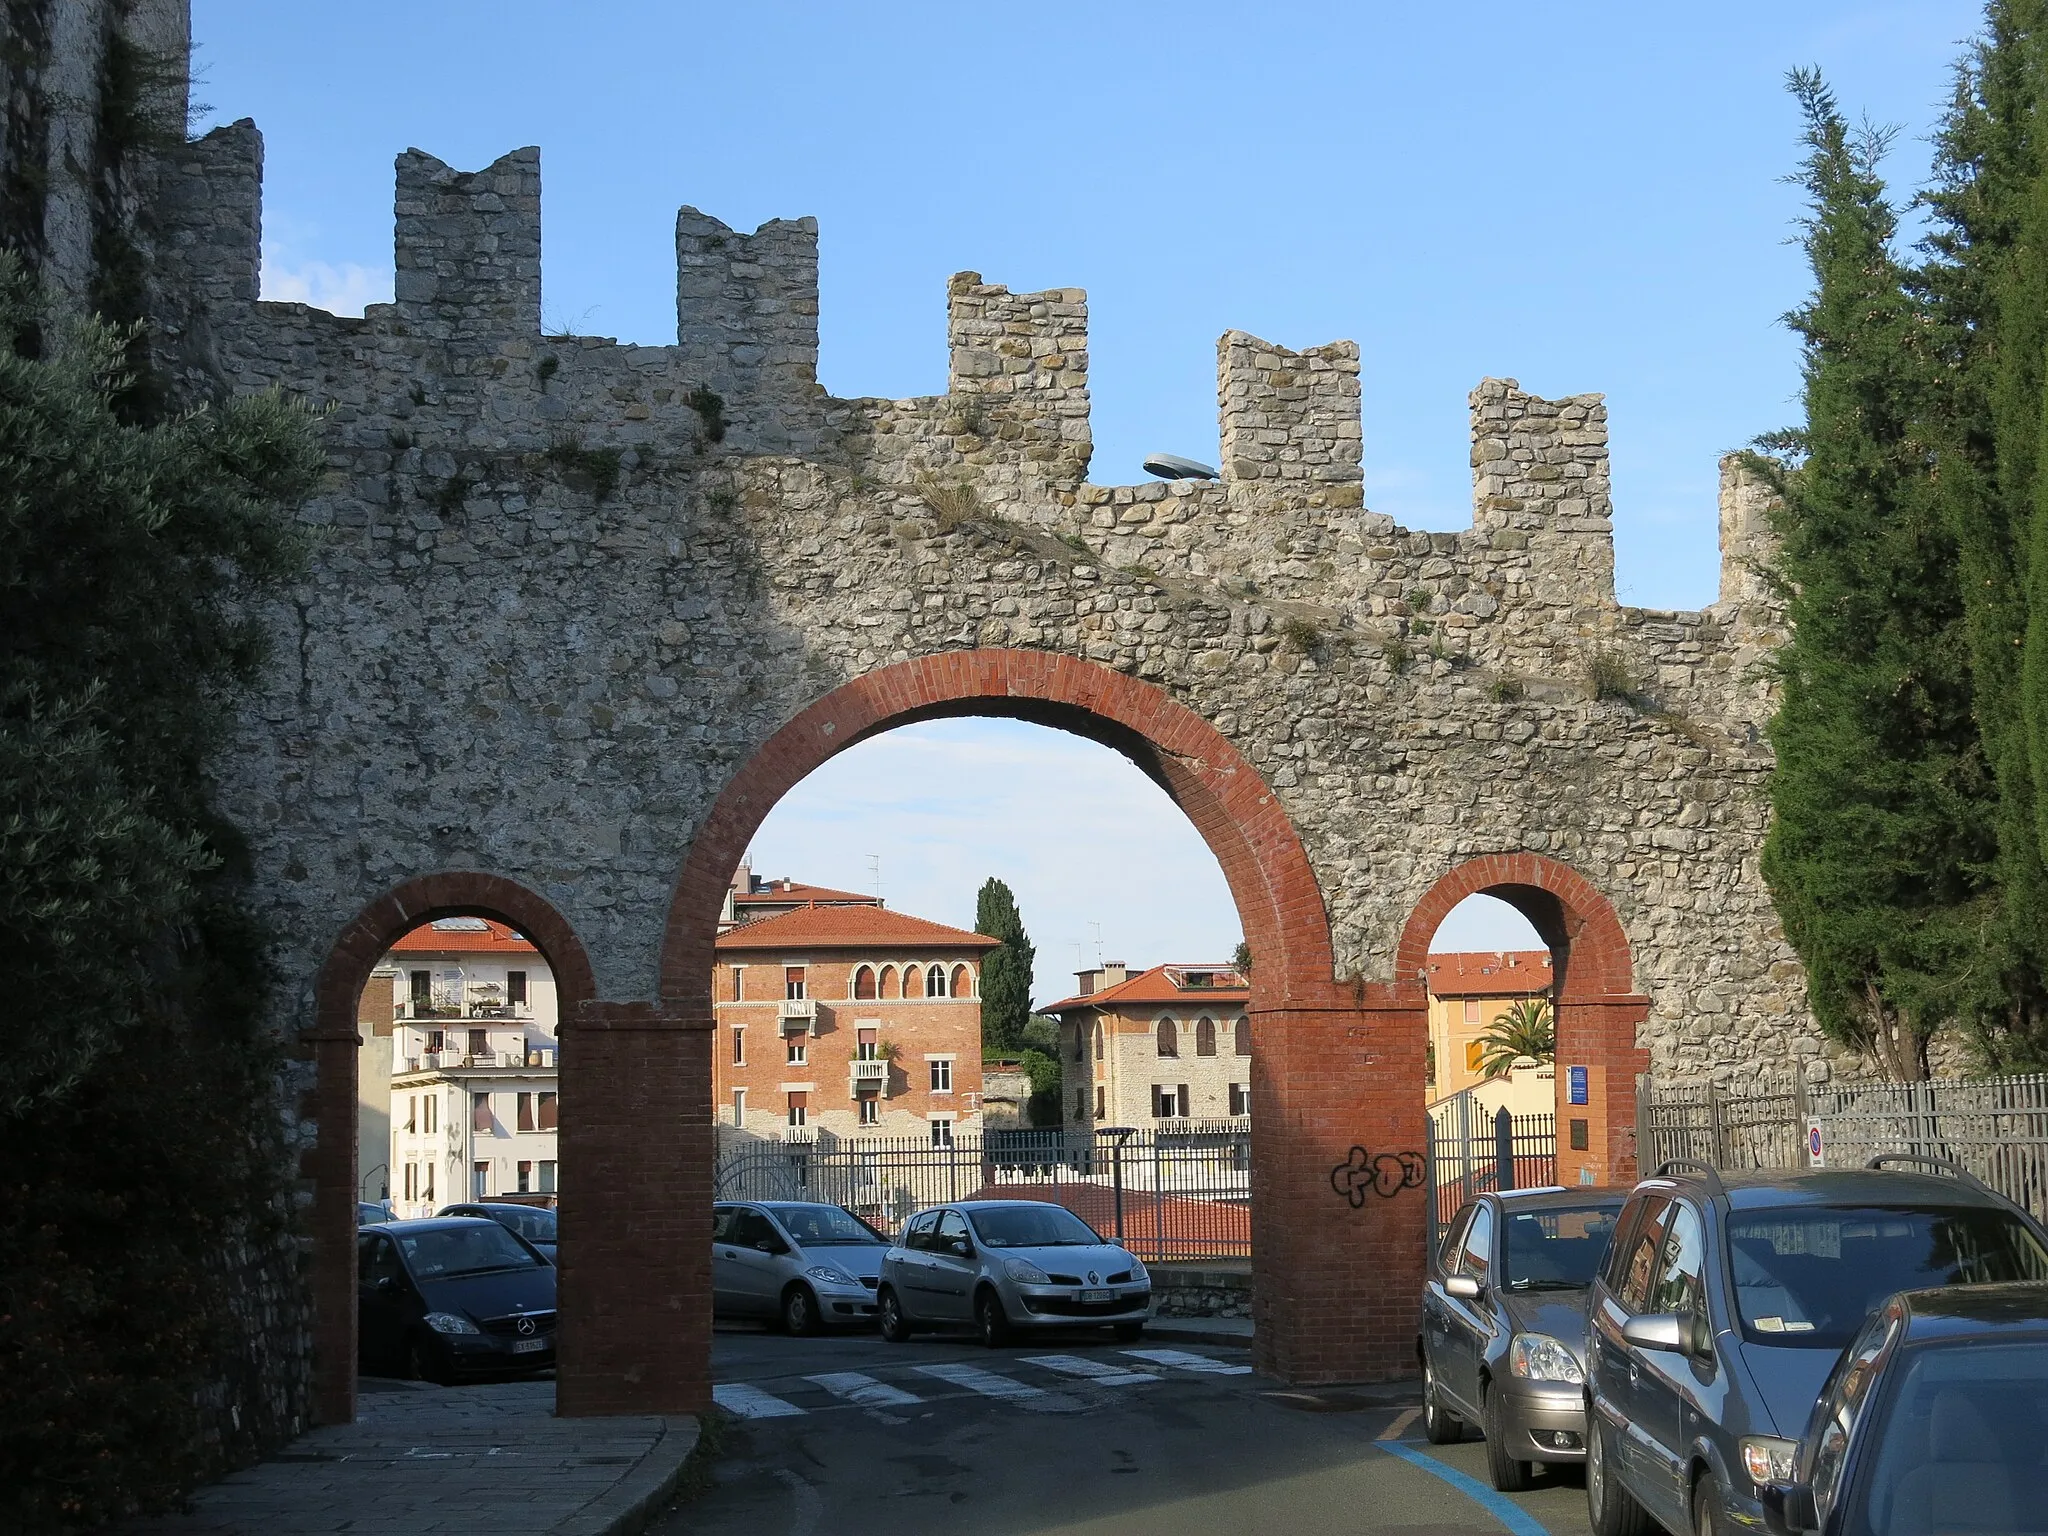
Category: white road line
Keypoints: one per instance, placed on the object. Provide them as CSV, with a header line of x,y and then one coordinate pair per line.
x,y
1181,1360
1097,1371
807,1506
751,1402
864,1390
1004,1388
1399,1427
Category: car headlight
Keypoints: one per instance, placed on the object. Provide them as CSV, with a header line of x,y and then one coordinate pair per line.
x,y
448,1322
830,1274
1024,1272
1767,1459
1539,1357
1138,1270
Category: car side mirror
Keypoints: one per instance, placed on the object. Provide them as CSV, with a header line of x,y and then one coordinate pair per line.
x,y
1788,1508
963,1248
1464,1287
1658,1330
772,1245
387,1284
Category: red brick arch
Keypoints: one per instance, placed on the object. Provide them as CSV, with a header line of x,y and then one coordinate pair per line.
x,y
333,1041
1598,1009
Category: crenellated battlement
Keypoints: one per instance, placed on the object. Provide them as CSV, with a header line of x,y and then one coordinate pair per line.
x,y
466,248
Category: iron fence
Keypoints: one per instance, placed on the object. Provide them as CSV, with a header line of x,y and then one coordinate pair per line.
x,y
1706,1122
1176,1190
1473,1149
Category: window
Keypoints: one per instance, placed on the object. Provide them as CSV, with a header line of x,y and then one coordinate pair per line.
x,y
1240,1099
864,983
739,983
1678,1287
1164,1102
1476,1258
480,1112
1101,1103
479,1043
1080,1103
422,992
515,988
942,1133
525,1115
1243,1032
547,1176
889,986
739,1107
526,1178
427,1182
1169,1038
412,1113
550,1113
799,1110
1475,1055
1205,1037
913,981
1472,1010
479,1180
963,981
1640,1270
793,982
436,1043
739,1047
870,1109
865,1046
1454,1240
1098,1042
799,1050
433,1113
942,1076
412,1181
935,981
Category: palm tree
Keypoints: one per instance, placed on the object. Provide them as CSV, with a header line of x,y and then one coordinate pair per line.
x,y
1528,1028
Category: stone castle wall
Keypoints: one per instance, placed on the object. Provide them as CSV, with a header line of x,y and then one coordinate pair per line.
x,y
565,587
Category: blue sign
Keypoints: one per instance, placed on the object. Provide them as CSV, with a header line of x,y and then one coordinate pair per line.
x,y
1576,1090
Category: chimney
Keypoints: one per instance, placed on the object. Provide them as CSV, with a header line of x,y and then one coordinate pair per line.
x,y
1114,973
743,877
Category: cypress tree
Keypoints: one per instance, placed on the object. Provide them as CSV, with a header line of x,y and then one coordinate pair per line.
x,y
1881,831
1006,972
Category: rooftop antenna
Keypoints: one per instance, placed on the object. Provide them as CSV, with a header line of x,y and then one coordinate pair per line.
x,y
875,873
1097,928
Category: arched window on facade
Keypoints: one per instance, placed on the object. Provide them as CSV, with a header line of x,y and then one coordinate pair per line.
x,y
1098,1042
864,982
1205,1037
890,987
935,981
1169,1038
913,981
963,981
1244,1037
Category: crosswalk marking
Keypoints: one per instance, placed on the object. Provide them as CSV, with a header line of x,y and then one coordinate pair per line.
x,y
864,1390
989,1384
751,1402
1181,1360
1100,1372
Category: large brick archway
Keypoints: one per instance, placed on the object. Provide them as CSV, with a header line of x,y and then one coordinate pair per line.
x,y
329,1166
1598,1008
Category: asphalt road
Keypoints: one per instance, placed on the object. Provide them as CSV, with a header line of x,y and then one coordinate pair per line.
x,y
1072,1434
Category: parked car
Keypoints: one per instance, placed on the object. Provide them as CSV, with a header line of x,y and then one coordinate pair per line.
x,y
1724,1302
803,1263
445,1297
1004,1265
533,1223
370,1212
1934,1419
1503,1342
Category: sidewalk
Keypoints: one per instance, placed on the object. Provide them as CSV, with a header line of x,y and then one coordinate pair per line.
x,y
1201,1330
428,1459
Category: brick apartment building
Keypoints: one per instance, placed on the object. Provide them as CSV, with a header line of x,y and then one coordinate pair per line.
x,y
1169,1043
1467,992
838,1017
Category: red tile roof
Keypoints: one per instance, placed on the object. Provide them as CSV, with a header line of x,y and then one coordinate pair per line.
x,y
1494,973
849,927
438,938
777,893
1156,986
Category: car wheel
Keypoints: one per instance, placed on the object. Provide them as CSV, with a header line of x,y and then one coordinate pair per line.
x,y
423,1363
1439,1425
1610,1508
895,1326
1127,1333
1509,1475
990,1320
799,1311
1706,1508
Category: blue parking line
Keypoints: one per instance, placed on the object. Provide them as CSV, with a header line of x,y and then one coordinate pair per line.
x,y
1510,1514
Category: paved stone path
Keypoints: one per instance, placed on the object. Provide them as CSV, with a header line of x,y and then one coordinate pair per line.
x,y
426,1459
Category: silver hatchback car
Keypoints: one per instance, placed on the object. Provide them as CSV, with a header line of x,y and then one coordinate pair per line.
x,y
1004,1265
802,1263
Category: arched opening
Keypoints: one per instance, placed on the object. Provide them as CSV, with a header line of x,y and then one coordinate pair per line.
x,y
913,981
892,982
864,983
336,1043
1205,1037
963,981
1167,1037
935,981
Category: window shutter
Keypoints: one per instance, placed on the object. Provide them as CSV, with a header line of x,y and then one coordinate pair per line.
x,y
547,1111
799,1100
480,1116
526,1111
1183,1101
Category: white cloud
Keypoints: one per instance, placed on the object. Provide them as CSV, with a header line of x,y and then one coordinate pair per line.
x,y
340,290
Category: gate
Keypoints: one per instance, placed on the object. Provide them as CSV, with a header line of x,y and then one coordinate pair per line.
x,y
1472,1151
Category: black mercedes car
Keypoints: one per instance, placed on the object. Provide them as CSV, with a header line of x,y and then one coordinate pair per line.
x,y
1503,1340
1934,1420
447,1297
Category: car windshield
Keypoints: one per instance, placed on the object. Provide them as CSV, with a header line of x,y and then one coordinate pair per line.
x,y
1809,1276
1557,1249
826,1226
1963,1445
440,1253
536,1226
1033,1226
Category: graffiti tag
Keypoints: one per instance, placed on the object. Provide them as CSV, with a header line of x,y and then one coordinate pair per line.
x,y
1385,1175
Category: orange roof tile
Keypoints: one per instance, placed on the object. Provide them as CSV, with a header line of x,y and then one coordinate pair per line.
x,y
1155,986
775,894
849,927
442,937
1493,973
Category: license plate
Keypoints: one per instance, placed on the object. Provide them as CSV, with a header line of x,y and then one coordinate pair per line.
x,y
1096,1297
528,1346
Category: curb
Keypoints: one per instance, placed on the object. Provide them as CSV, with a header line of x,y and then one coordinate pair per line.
x,y
1197,1330
625,1508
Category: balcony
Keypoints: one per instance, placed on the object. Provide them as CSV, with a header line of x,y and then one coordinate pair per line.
x,y
869,1075
798,1015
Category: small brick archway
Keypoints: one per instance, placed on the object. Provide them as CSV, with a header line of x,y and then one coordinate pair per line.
x,y
1598,1009
330,1166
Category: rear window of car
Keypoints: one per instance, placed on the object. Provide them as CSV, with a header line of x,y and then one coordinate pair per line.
x,y
1558,1249
1808,1276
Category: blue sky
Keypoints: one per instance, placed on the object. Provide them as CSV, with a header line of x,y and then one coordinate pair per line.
x,y
1585,197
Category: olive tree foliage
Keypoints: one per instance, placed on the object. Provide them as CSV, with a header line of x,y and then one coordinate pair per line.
x,y
129,556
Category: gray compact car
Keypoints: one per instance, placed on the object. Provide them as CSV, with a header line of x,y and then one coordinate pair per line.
x,y
802,1263
1724,1303
1503,1342
1004,1265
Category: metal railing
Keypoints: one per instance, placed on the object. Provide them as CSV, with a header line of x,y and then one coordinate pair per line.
x,y
1176,1190
1473,1149
1765,1129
